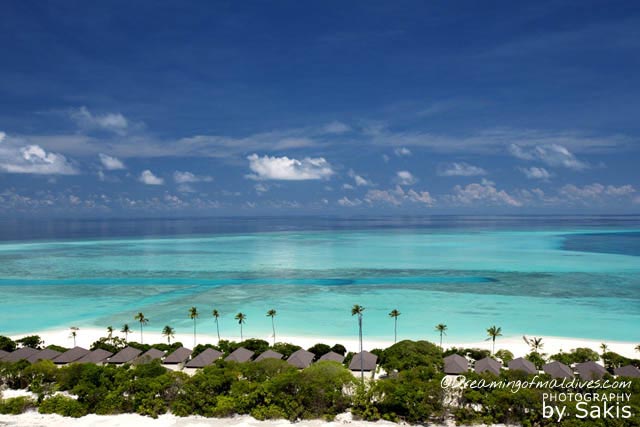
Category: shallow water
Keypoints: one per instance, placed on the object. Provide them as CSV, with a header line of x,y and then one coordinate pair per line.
x,y
562,277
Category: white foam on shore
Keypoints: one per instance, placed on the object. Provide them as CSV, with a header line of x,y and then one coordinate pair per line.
x,y
552,345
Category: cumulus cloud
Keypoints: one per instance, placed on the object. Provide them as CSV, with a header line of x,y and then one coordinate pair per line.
x,y
111,163
552,155
261,188
484,192
112,122
289,169
405,178
188,177
536,173
33,159
336,127
147,177
595,191
358,179
402,151
349,203
461,169
397,196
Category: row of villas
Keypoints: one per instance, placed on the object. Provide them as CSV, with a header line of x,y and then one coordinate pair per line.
x,y
456,365
181,358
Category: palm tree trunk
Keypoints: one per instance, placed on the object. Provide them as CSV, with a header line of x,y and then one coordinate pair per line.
x,y
361,355
141,338
395,330
493,348
440,340
273,326
194,332
241,339
218,329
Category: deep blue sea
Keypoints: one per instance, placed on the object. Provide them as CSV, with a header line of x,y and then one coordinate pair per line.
x,y
539,275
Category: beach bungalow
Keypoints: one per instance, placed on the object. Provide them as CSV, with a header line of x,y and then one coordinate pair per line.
x,y
97,356
20,354
205,358
332,356
240,355
628,371
301,359
558,370
70,356
523,365
269,354
46,354
590,370
125,355
455,364
177,359
489,365
148,356
365,360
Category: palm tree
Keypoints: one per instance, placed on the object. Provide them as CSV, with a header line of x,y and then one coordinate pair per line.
x,y
394,314
193,314
272,313
74,334
441,327
493,333
638,348
604,348
126,330
358,310
143,321
240,317
168,332
216,315
535,343
109,333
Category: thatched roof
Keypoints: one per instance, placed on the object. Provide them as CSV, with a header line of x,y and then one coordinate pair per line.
x,y
71,355
149,355
301,359
125,355
455,364
488,365
205,358
46,354
368,361
629,371
98,355
558,370
181,355
240,355
333,356
20,354
590,370
3,354
269,354
523,365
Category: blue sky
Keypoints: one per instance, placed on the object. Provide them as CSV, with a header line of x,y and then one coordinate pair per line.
x,y
205,108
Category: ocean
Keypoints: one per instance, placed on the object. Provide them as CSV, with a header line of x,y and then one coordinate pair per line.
x,y
538,275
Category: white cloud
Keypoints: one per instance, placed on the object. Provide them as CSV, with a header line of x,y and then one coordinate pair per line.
x,y
147,177
484,192
398,196
188,177
347,202
2,136
33,159
289,169
595,191
536,173
405,178
358,179
461,169
348,187
113,122
551,155
402,151
336,127
111,163
261,188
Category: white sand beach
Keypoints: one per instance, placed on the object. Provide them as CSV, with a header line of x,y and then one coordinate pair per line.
x,y
86,336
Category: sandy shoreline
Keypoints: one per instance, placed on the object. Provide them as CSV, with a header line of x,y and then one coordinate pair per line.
x,y
86,336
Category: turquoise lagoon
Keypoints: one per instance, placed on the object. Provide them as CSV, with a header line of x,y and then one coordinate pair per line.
x,y
567,279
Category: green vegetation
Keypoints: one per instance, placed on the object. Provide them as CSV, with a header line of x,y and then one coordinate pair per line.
x,y
33,341
271,389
